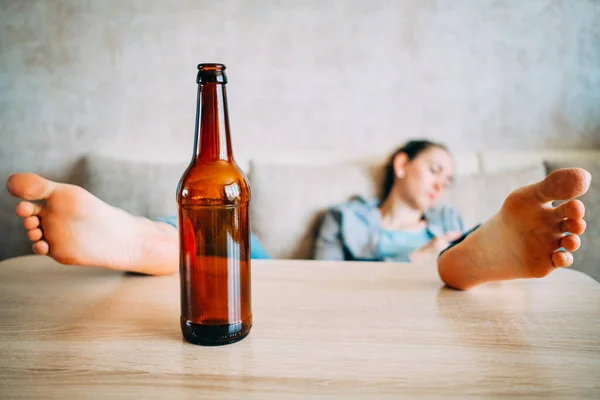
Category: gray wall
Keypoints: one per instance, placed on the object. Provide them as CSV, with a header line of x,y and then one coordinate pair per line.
x,y
118,76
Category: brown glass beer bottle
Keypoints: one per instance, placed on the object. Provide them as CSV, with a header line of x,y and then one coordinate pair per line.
x,y
213,199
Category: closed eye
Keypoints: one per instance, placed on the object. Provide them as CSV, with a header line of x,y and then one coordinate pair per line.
x,y
435,169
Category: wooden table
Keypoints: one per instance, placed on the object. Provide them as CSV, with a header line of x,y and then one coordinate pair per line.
x,y
321,329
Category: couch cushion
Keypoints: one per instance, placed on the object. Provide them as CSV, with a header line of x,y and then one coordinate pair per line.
x,y
497,161
140,187
478,197
587,258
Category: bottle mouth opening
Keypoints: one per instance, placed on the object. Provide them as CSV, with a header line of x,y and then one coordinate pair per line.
x,y
211,72
211,67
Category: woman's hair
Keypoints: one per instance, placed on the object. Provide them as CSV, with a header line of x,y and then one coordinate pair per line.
x,y
412,149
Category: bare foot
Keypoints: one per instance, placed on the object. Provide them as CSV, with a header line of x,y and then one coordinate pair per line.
x,y
74,227
524,238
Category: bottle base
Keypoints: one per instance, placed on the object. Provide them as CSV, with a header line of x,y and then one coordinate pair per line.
x,y
215,335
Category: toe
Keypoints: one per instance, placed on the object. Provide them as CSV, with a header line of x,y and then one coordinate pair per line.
x,y
570,242
41,248
31,222
573,226
562,259
30,186
27,209
563,184
573,209
35,234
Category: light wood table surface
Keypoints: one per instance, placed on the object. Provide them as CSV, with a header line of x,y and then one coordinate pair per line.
x,y
321,329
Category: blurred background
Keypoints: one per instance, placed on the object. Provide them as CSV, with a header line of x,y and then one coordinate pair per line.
x,y
118,77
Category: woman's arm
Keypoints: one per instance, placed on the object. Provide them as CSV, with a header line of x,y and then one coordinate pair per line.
x,y
328,245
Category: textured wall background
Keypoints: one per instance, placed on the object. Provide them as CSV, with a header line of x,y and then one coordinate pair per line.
x,y
118,76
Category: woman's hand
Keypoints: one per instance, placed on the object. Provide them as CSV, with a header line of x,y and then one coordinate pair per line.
x,y
435,246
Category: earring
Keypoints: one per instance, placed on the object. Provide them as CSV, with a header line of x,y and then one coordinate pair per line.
x,y
400,174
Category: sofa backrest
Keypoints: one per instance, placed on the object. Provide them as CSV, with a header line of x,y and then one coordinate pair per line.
x,y
290,192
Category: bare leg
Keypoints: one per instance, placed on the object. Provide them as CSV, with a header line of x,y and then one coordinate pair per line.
x,y
523,239
74,227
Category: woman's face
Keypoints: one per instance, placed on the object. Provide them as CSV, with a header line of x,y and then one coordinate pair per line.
x,y
424,179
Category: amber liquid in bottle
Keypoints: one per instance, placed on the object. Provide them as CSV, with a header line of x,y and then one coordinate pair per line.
x,y
213,199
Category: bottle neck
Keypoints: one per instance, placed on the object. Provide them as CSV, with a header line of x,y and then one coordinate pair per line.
x,y
211,140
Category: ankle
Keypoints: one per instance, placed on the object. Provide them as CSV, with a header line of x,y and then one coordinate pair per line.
x,y
158,250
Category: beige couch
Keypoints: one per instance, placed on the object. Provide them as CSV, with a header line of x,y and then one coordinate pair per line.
x,y
289,192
